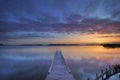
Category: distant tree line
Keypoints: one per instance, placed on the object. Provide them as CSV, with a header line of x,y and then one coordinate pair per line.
x,y
111,45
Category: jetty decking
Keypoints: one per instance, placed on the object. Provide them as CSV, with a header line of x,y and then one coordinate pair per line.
x,y
58,69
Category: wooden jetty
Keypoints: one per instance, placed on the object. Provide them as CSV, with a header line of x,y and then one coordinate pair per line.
x,y
58,69
108,72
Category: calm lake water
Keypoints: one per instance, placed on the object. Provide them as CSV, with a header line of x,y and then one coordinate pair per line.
x,y
32,62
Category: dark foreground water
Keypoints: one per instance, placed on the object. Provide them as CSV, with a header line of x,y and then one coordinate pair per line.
x,y
32,62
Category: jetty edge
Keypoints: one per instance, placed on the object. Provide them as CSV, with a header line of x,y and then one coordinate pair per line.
x,y
59,70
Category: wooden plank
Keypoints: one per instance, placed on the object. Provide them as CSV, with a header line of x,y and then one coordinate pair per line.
x,y
59,69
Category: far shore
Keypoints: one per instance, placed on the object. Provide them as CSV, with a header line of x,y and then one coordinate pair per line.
x,y
112,45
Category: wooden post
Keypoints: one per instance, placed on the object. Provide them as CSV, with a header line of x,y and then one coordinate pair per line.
x,y
109,70
117,68
106,73
102,73
113,69
97,76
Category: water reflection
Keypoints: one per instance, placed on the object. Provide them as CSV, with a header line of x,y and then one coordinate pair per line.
x,y
32,62
24,63
86,61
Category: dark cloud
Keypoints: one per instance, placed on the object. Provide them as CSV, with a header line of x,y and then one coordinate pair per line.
x,y
38,8
24,35
75,19
8,27
54,16
116,13
113,36
87,25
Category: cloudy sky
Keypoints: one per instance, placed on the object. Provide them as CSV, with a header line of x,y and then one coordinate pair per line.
x,y
59,21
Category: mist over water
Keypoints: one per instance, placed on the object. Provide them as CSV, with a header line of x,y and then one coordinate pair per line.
x,y
33,62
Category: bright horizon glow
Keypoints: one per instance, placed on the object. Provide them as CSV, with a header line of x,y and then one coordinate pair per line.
x,y
70,39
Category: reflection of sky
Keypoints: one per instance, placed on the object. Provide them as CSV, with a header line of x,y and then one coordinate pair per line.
x,y
25,62
20,63
86,61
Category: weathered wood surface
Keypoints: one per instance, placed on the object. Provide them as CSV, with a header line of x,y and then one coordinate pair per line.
x,y
58,69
